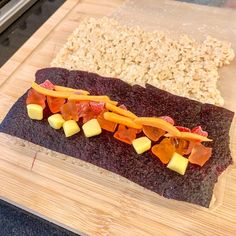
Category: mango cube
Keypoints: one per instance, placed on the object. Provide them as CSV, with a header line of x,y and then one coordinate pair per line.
x,y
92,128
35,111
70,128
141,144
56,121
178,163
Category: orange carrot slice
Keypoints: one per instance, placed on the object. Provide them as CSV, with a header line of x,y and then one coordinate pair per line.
x,y
77,97
120,111
67,89
190,136
51,93
70,95
121,120
153,133
106,124
158,123
164,150
200,154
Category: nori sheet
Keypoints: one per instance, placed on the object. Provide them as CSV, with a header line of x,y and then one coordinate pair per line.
x,y
196,186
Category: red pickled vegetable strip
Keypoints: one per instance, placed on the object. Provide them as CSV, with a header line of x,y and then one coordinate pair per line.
x,y
183,129
199,130
48,85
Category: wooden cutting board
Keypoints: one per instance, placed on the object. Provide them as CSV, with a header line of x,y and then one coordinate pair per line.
x,y
74,196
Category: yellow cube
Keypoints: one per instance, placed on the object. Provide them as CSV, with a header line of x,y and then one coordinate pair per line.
x,y
56,121
141,144
92,128
70,128
178,163
35,111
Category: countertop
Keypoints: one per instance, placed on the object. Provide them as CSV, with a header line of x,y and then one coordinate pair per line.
x,y
17,222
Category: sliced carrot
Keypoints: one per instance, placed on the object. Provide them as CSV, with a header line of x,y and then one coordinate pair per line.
x,y
76,97
51,93
200,154
190,136
119,119
106,124
153,133
120,111
158,123
164,150
127,135
66,89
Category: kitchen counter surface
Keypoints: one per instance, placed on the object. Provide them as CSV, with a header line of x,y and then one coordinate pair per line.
x,y
17,222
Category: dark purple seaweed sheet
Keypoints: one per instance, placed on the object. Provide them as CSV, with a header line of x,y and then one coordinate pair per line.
x,y
196,186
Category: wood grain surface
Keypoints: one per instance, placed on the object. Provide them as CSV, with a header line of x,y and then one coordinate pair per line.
x,y
70,193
